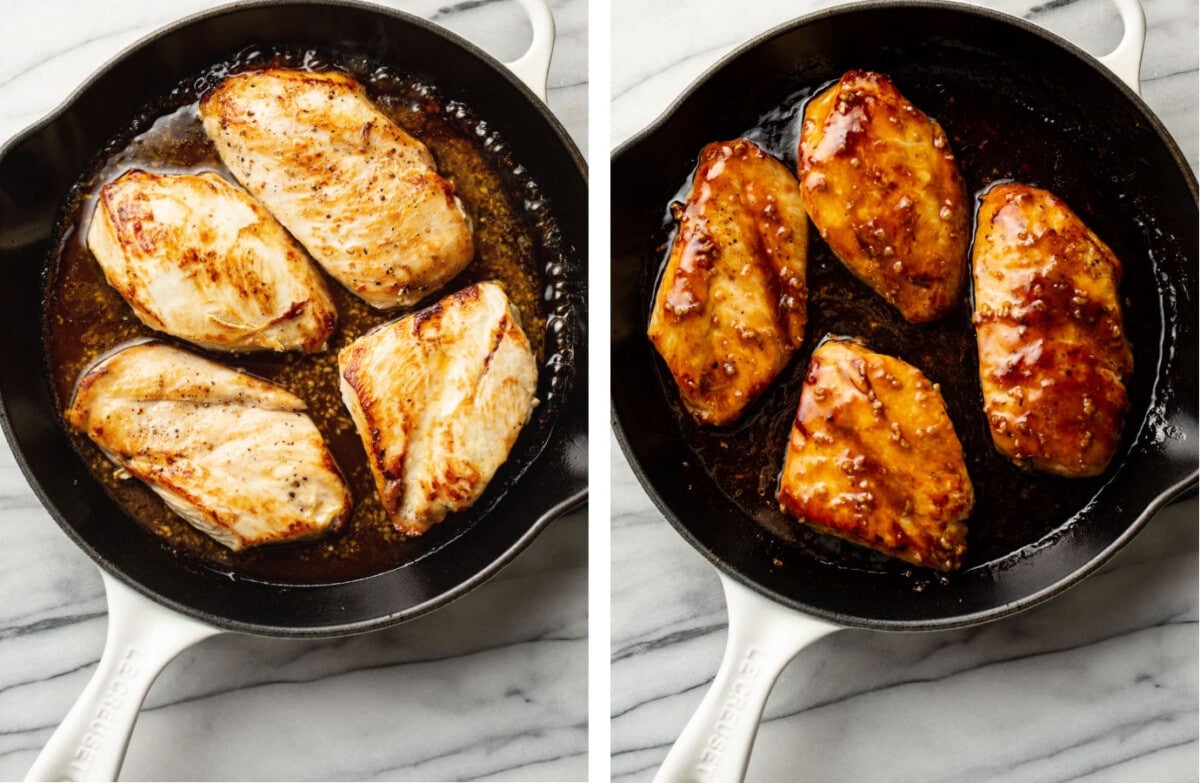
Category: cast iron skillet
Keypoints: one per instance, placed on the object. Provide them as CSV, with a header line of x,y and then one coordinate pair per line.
x,y
1051,116
38,167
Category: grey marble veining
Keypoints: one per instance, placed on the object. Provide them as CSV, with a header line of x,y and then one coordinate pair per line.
x,y
493,686
1098,684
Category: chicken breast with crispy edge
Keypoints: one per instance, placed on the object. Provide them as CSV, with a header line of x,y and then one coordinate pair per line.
x,y
884,190
731,306
197,258
1053,355
439,398
362,195
233,455
873,458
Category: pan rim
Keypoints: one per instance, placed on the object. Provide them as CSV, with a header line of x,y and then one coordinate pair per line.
x,y
239,6
566,506
568,423
932,5
1135,525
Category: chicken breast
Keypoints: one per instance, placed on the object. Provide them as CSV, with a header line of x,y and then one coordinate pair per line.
x,y
873,458
439,398
1053,355
197,258
732,302
233,455
362,195
883,189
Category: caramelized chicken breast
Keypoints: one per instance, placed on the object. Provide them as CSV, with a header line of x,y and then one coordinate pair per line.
x,y
439,398
235,456
362,195
873,458
731,305
883,189
196,257
1053,356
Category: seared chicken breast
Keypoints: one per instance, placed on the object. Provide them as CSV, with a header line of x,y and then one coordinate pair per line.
x,y
1053,355
873,458
732,302
197,258
439,398
362,195
883,189
235,456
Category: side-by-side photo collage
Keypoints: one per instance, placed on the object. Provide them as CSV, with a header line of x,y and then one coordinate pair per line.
x,y
605,391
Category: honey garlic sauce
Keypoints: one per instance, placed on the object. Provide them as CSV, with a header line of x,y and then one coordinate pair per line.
x,y
997,132
516,244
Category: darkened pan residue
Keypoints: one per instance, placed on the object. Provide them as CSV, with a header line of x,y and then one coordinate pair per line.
x,y
1019,133
517,243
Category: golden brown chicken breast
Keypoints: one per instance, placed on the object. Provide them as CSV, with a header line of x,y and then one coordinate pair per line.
x,y
731,305
439,398
1053,356
235,456
873,458
198,258
362,195
883,189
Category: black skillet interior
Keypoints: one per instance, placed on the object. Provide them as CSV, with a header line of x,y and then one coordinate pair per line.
x,y
1016,103
38,168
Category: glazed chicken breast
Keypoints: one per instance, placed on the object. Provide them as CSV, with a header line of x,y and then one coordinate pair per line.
x,y
1053,355
731,305
439,398
873,458
197,258
233,455
362,195
883,189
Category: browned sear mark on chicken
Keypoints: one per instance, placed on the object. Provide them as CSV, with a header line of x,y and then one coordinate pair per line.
x,y
439,398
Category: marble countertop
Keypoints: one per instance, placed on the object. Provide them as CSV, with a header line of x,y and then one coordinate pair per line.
x,y
493,686
1098,684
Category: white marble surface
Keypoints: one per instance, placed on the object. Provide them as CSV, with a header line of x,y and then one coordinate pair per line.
x,y
491,687
1098,684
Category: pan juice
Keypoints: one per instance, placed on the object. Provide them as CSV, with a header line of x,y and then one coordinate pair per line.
x,y
517,243
1014,132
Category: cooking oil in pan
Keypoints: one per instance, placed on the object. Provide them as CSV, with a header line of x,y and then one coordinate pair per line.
x,y
517,243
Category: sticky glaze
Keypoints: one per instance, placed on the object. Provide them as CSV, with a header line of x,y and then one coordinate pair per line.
x,y
996,135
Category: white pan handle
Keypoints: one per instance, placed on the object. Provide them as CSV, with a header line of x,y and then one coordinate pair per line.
x,y
763,637
1126,60
143,637
533,67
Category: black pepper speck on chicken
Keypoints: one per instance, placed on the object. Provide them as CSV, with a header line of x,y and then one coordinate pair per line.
x,y
235,456
362,195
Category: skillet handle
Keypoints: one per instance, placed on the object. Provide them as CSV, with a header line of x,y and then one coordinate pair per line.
x,y
143,637
1126,60
533,67
763,637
